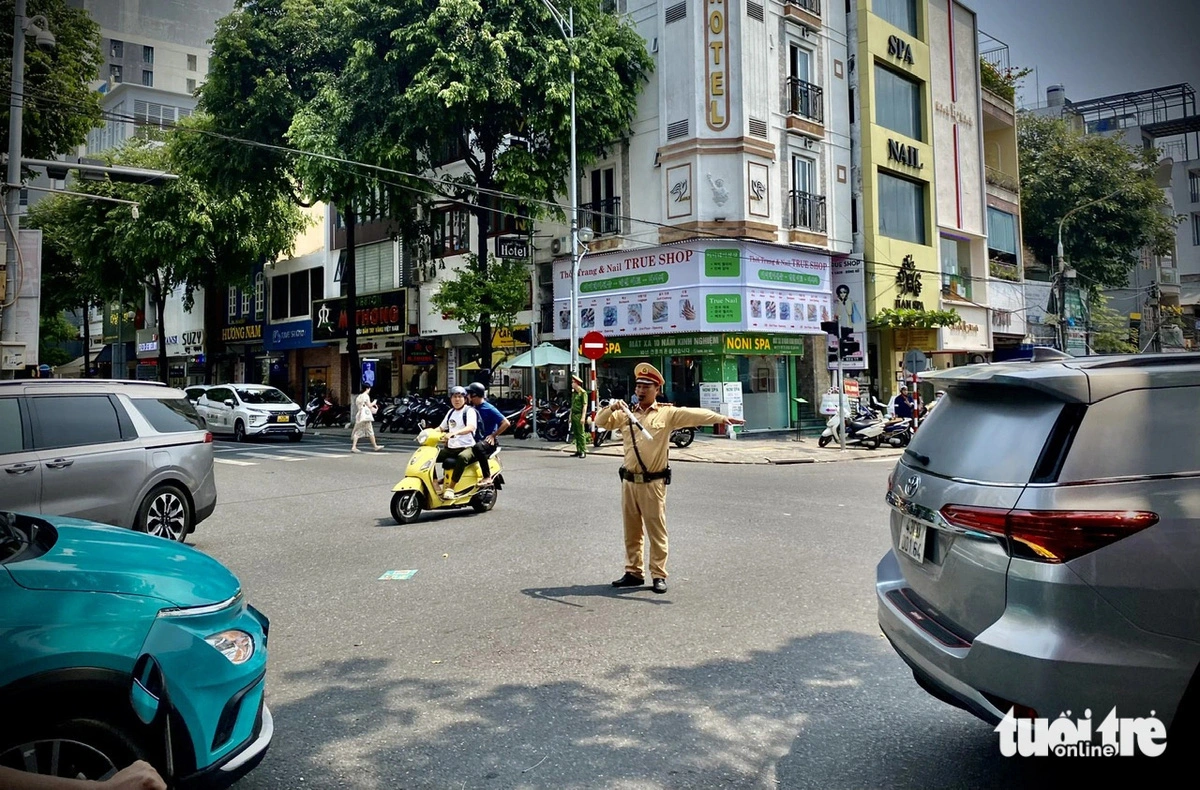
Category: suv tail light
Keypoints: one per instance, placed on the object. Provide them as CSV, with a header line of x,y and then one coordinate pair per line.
x,y
208,437
1051,535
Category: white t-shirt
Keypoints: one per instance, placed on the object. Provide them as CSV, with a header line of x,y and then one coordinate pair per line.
x,y
455,419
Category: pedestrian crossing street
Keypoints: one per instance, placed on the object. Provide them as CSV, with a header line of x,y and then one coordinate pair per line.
x,y
253,455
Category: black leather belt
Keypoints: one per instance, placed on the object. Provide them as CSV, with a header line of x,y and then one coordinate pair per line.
x,y
643,477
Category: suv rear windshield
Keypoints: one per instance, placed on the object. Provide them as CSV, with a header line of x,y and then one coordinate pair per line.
x,y
170,415
262,396
988,434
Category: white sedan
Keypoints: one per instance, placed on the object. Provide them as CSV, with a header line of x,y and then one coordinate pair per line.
x,y
246,410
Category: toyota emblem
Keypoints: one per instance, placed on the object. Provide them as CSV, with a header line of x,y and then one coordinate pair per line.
x,y
911,485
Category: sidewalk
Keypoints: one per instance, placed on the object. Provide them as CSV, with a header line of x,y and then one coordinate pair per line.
x,y
707,449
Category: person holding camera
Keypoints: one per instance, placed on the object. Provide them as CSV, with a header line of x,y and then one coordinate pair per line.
x,y
645,433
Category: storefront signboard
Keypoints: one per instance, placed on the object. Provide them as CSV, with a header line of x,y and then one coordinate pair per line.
x,y
710,395
696,287
289,334
849,309
707,344
376,315
972,333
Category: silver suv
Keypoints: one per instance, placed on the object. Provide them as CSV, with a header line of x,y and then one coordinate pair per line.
x,y
131,454
1045,528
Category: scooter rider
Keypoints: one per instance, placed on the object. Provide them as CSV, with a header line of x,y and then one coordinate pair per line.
x,y
459,425
492,423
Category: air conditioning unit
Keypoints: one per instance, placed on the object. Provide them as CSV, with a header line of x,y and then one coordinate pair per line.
x,y
561,245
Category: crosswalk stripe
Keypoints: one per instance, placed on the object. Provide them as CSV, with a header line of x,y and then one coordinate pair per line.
x,y
232,462
312,453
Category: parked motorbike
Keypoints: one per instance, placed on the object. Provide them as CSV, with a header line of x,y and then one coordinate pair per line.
x,y
862,428
418,490
522,428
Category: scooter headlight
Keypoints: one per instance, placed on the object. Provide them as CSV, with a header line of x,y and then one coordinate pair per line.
x,y
423,436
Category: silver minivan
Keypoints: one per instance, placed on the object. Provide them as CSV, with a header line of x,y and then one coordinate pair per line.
x,y
1045,527
131,454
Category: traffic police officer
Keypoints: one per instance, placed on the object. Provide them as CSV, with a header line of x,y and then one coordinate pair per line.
x,y
645,473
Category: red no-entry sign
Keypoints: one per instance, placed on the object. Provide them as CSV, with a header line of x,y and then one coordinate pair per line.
x,y
594,345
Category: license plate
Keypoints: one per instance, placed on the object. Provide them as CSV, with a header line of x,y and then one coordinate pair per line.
x,y
912,539
284,417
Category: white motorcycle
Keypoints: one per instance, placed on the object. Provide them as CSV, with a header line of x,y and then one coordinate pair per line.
x,y
865,430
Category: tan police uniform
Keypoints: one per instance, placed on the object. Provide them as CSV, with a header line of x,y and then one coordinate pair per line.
x,y
643,501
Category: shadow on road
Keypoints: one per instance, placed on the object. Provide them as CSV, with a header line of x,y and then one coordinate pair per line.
x,y
558,594
834,710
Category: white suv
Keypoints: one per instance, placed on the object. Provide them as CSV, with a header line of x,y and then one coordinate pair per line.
x,y
251,410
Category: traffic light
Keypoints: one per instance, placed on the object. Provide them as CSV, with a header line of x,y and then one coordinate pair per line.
x,y
847,345
830,327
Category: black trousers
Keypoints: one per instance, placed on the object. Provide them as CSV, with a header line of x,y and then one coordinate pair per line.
x,y
456,460
483,451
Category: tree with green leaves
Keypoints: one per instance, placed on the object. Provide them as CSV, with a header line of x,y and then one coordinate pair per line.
x,y
184,237
60,105
1108,330
478,95
499,294
271,88
1062,170
54,332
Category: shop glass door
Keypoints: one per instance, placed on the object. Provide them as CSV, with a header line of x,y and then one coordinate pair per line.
x,y
764,382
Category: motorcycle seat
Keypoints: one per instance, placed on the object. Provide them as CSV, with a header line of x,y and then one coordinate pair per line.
x,y
858,425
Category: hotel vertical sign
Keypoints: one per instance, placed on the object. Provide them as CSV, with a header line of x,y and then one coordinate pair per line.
x,y
716,40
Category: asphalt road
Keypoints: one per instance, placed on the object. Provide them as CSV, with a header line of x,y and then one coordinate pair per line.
x,y
507,660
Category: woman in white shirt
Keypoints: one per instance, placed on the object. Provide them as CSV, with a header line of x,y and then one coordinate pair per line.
x,y
459,425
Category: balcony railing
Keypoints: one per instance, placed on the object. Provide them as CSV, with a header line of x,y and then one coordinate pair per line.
x,y
808,211
1003,180
603,217
811,6
806,100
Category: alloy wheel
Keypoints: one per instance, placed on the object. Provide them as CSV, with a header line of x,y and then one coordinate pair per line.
x,y
61,757
166,516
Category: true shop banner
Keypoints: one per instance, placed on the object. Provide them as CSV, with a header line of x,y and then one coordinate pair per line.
x,y
713,286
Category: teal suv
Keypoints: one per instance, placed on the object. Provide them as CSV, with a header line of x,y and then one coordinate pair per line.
x,y
117,646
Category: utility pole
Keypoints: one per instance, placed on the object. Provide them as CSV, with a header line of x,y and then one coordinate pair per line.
x,y
841,385
1156,311
12,189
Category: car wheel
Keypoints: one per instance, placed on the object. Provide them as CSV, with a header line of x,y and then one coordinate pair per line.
x,y
406,506
484,501
78,748
824,441
295,437
166,512
239,431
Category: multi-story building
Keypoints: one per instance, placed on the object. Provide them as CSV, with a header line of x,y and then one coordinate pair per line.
x,y
1002,174
717,224
922,227
1162,297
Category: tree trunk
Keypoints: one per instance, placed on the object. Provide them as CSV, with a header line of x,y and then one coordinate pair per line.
x,y
212,319
87,339
160,303
348,277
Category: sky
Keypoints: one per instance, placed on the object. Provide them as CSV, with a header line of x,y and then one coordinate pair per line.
x,y
1096,47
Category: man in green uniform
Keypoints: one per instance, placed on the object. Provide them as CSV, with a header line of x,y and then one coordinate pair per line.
x,y
645,473
578,407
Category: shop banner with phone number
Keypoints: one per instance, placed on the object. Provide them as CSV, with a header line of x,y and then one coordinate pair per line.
x,y
697,287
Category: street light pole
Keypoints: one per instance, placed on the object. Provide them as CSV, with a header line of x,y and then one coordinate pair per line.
x,y
22,26
566,26
12,194
1062,268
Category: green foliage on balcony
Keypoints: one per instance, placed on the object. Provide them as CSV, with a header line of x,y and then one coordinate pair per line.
x,y
1002,82
908,318
1004,271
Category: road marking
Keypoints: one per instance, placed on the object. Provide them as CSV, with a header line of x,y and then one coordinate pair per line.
x,y
397,575
311,453
232,462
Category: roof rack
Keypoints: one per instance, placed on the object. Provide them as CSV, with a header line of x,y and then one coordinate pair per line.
x,y
1048,354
